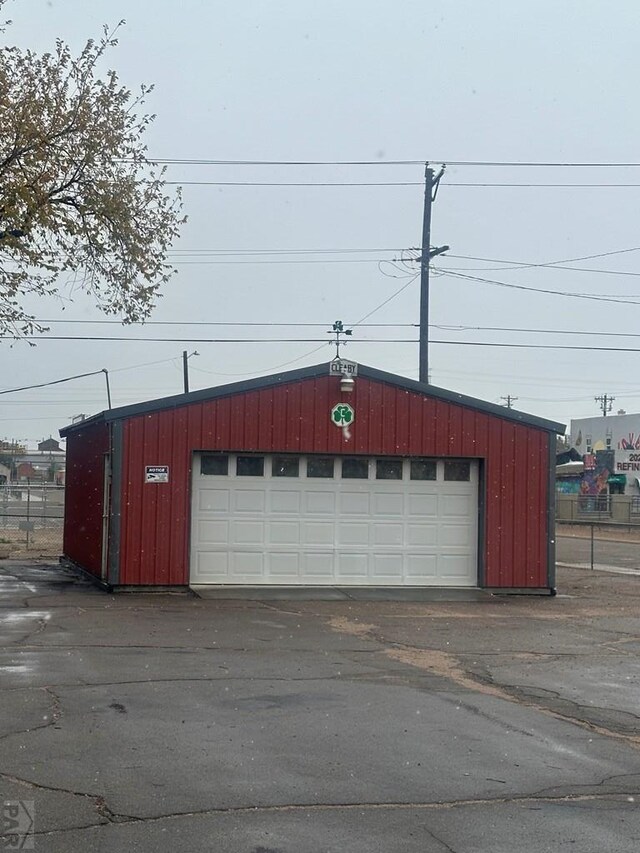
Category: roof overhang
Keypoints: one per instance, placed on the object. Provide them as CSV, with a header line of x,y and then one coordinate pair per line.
x,y
301,374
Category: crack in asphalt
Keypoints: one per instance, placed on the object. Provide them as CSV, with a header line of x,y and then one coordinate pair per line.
x,y
112,818
548,790
51,720
41,625
88,685
99,803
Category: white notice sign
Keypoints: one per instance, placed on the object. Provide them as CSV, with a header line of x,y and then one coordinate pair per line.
x,y
156,474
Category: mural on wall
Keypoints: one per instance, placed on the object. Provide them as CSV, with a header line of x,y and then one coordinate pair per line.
x,y
569,486
632,442
598,468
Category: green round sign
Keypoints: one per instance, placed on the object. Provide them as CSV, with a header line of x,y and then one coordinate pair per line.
x,y
342,415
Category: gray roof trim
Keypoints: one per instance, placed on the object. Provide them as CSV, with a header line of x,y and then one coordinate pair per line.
x,y
301,374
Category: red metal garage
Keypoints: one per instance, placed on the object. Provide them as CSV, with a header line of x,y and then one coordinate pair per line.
x,y
293,479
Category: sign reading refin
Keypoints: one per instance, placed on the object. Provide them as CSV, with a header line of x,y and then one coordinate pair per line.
x,y
156,473
342,415
340,367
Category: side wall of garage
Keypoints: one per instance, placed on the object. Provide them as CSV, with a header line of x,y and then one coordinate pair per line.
x,y
84,496
294,418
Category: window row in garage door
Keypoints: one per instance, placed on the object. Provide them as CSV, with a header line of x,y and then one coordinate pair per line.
x,y
329,468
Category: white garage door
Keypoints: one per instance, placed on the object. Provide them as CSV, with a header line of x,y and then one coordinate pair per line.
x,y
317,520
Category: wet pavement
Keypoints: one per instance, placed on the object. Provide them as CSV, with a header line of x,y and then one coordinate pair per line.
x,y
152,722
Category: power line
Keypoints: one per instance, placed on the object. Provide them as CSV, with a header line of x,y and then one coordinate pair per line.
x,y
501,344
294,183
480,184
177,263
297,251
220,323
593,297
54,382
560,265
170,161
451,327
520,330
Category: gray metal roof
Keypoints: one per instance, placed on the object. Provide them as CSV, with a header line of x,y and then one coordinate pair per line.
x,y
179,400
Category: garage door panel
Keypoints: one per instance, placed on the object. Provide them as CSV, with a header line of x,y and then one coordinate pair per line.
x,y
422,534
212,567
284,532
213,532
302,530
352,567
353,533
388,568
214,500
423,506
421,568
320,503
246,564
288,501
317,567
388,533
284,566
456,505
247,532
355,503
454,567
318,533
386,503
457,535
249,500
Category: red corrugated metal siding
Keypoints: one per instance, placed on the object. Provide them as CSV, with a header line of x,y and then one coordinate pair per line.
x,y
295,418
83,496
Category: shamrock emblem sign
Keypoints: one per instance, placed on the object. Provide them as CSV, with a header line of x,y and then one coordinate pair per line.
x,y
342,415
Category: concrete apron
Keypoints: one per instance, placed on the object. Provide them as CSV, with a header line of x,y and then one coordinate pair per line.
x,y
342,593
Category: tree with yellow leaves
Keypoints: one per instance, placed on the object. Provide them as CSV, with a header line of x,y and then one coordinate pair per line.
x,y
80,203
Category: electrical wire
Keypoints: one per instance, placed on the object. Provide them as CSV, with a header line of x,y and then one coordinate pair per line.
x,y
54,382
501,344
449,327
555,264
480,184
170,161
620,300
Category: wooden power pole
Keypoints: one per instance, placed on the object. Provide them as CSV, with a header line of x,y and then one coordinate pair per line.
x,y
431,183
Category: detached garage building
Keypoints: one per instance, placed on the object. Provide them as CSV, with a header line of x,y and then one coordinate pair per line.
x,y
298,480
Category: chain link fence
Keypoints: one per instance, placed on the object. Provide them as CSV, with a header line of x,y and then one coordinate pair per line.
x,y
31,519
599,546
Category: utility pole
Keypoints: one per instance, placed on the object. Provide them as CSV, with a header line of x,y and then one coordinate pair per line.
x,y
431,183
508,400
185,368
606,403
106,379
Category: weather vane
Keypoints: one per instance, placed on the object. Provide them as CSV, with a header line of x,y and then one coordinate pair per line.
x,y
338,329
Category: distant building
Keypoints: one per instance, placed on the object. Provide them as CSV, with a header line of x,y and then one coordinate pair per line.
x,y
46,465
50,445
610,445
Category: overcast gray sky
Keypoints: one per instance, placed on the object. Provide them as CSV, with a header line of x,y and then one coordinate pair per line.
x,y
461,80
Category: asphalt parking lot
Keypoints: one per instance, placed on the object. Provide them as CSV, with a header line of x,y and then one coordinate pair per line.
x,y
170,723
